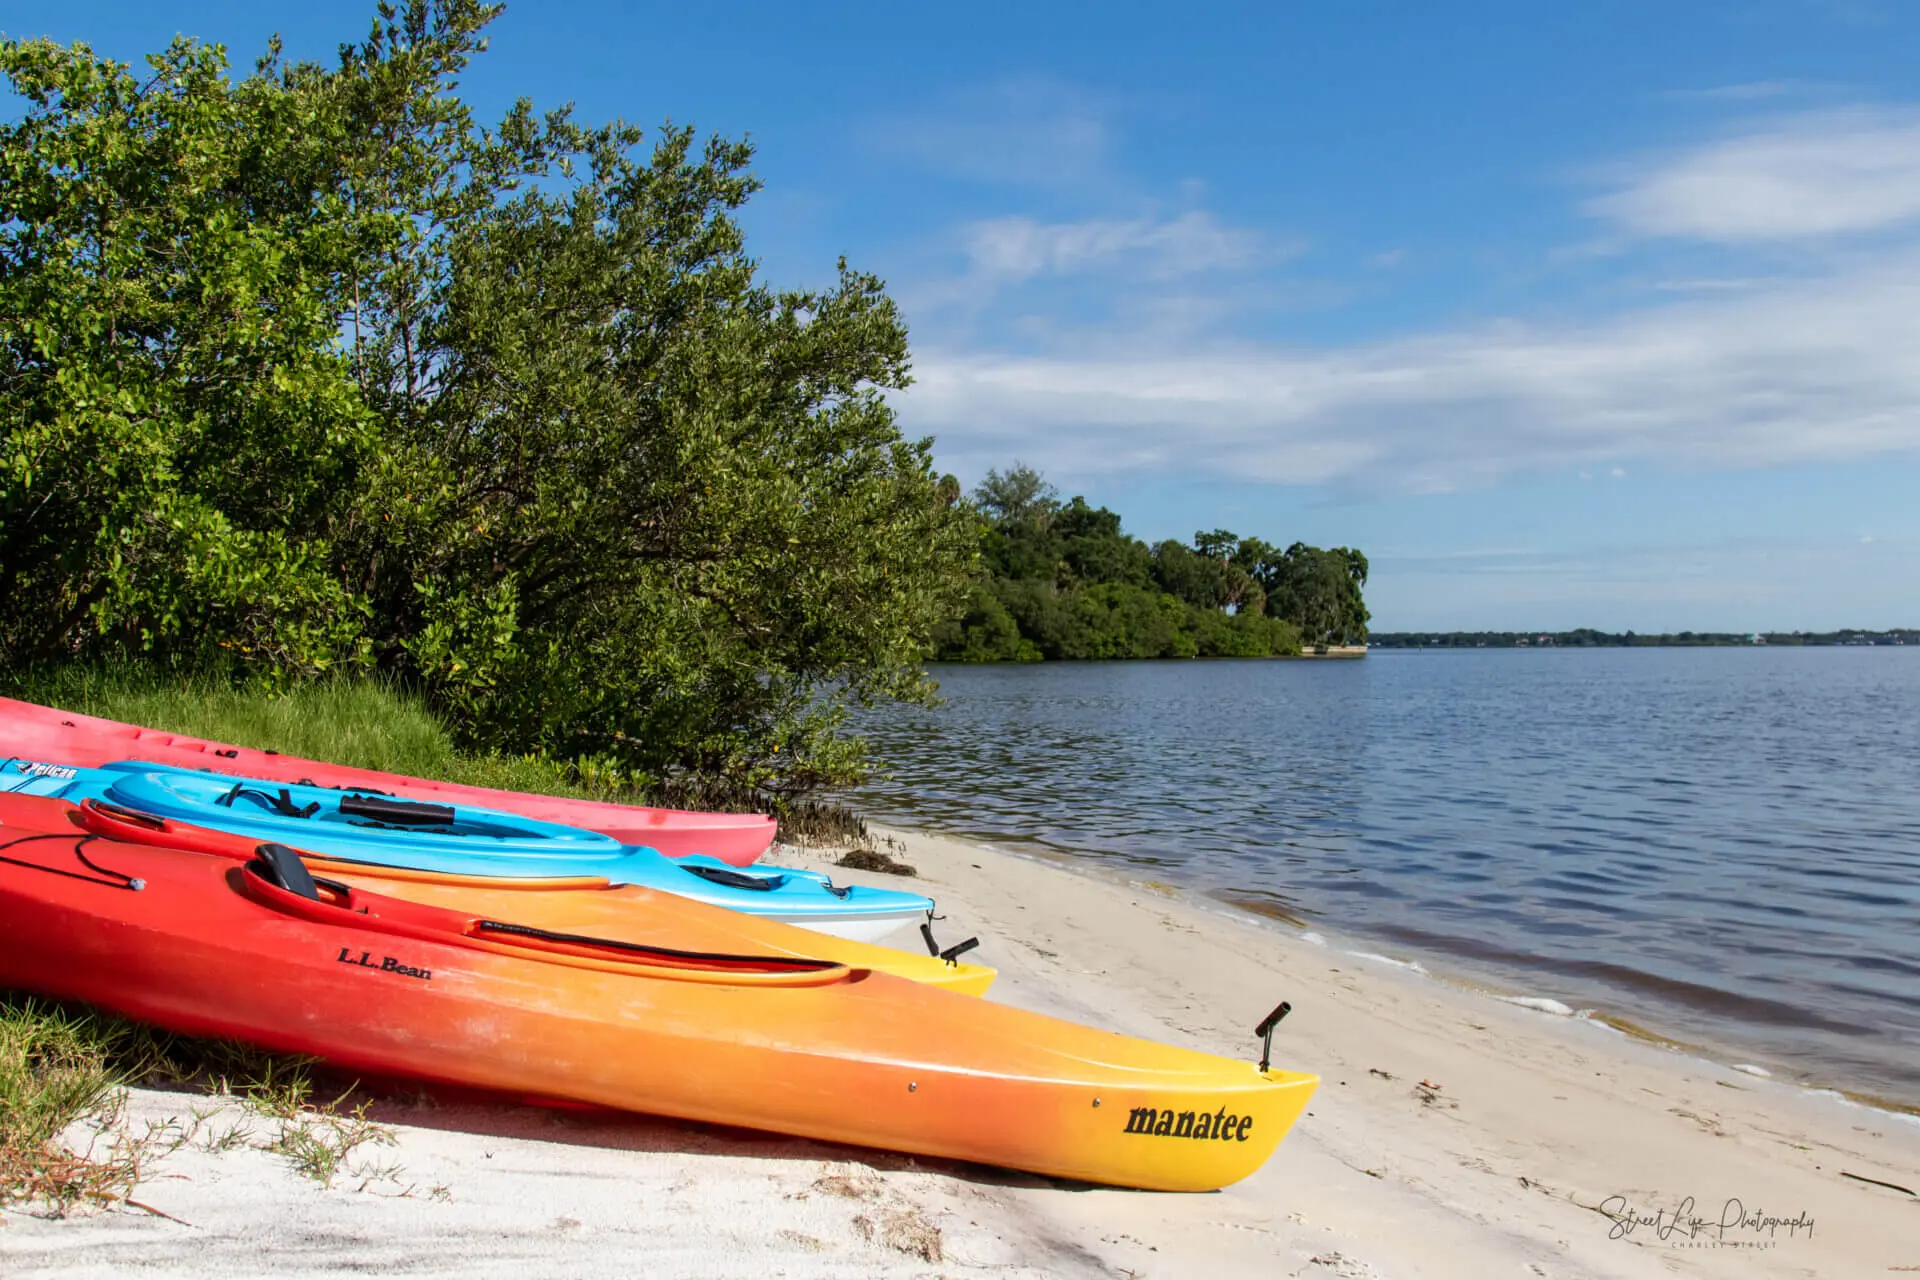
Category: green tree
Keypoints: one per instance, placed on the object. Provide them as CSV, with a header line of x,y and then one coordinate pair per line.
x,y
309,367
1018,495
987,632
1319,590
1072,584
1093,548
178,419
1187,575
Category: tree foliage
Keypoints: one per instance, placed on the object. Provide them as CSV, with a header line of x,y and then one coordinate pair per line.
x,y
1318,589
308,369
1020,495
178,415
1063,580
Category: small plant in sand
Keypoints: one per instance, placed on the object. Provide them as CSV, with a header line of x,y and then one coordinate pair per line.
x,y
318,1139
64,1072
55,1073
823,824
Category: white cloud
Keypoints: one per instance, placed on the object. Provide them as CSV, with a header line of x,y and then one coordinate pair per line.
x,y
1746,92
1172,279
1021,248
1817,174
1795,372
1023,131
1710,284
1100,365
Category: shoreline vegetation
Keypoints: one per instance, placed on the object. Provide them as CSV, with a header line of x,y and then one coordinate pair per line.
x,y
308,369
1063,581
1588,638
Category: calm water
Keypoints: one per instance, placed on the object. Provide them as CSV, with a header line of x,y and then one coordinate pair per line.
x,y
1721,843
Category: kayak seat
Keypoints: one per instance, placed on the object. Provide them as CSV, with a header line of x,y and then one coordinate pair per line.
x,y
530,936
281,867
280,871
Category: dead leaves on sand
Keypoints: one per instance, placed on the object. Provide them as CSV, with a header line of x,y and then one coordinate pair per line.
x,y
889,1218
1431,1093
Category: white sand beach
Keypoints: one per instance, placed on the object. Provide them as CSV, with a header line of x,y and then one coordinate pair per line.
x,y
1453,1135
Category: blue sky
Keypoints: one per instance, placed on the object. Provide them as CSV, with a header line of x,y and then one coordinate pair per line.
x,y
1568,315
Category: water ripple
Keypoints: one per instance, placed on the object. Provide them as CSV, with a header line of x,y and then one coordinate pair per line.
x,y
1728,839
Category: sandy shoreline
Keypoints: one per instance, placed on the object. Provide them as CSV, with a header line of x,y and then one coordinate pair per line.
x,y
1540,992
1454,1135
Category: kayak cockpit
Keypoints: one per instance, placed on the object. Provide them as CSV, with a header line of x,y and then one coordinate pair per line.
x,y
278,878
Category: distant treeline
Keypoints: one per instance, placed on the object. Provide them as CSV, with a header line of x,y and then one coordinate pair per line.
x,y
1061,580
1588,638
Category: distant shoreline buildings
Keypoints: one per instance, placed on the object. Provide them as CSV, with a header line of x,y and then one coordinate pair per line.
x,y
1587,638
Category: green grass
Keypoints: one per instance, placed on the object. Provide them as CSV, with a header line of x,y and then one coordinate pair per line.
x,y
66,1066
48,1078
53,1072
60,1067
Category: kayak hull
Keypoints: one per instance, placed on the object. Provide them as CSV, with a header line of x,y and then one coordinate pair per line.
x,y
28,729
208,947
869,928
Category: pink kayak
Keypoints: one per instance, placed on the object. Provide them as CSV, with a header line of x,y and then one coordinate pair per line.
x,y
67,737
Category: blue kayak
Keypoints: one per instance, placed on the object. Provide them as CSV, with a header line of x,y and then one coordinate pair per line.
x,y
394,831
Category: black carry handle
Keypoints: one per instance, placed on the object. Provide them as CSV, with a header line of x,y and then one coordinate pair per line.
x,y
400,813
732,879
953,953
1265,1032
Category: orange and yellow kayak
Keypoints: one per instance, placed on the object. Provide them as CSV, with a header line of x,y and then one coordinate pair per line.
x,y
574,904
260,952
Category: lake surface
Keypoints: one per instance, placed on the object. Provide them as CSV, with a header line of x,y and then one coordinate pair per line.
x,y
1722,844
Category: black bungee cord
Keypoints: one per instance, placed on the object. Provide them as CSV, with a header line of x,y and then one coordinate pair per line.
x,y
102,875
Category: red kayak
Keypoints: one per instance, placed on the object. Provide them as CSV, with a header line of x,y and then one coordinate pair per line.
x,y
47,733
